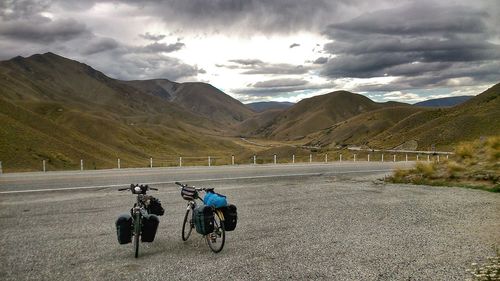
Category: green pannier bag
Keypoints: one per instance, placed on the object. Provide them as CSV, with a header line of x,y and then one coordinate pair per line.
x,y
124,229
203,217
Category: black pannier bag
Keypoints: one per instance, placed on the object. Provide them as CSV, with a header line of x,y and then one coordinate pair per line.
x,y
155,207
124,229
230,217
203,217
188,193
149,226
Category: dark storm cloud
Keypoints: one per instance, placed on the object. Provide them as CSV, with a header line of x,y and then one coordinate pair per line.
x,y
321,60
416,19
277,69
152,37
160,48
243,16
284,82
132,66
100,45
273,91
424,44
14,10
247,61
43,30
256,66
25,29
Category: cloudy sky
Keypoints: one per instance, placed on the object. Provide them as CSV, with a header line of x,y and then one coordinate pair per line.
x,y
284,50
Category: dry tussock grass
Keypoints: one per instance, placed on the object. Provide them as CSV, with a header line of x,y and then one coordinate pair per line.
x,y
474,164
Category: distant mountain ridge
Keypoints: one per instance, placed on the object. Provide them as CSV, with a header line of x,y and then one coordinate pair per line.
x,y
267,105
444,102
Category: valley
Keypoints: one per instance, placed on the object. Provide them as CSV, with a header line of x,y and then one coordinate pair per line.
x,y
61,111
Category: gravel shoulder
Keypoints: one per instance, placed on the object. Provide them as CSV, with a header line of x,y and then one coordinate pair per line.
x,y
349,227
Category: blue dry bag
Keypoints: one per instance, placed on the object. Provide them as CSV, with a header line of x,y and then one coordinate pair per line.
x,y
215,199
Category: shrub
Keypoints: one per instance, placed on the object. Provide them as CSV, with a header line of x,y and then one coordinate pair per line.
x,y
465,150
454,169
400,174
426,169
493,148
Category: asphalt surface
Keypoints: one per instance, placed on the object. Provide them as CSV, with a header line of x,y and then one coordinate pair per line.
x,y
122,177
325,225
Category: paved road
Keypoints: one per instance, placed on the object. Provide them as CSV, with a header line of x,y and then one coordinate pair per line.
x,y
105,178
326,226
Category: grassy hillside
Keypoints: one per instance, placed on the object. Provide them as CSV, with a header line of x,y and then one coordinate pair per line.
x,y
198,98
62,111
445,128
444,102
208,101
317,113
417,128
254,125
361,129
268,105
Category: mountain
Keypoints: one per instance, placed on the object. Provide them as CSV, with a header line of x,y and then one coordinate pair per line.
x,y
208,101
475,118
253,125
416,127
317,113
62,111
267,105
444,102
198,98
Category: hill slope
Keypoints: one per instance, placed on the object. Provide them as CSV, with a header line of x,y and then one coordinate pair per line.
x,y
208,101
444,102
268,105
417,127
361,129
317,113
198,98
62,111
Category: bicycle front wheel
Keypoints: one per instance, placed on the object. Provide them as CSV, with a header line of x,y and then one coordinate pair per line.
x,y
137,233
217,238
187,225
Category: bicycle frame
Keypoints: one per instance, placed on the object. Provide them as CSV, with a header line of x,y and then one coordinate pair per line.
x,y
216,234
138,212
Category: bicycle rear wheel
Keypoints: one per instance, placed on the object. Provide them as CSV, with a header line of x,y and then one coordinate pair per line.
x,y
187,225
217,238
137,233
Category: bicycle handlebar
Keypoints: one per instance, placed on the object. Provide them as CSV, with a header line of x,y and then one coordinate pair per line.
x,y
196,188
133,186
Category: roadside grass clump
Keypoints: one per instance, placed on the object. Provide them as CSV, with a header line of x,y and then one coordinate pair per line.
x,y
427,170
493,149
473,165
465,150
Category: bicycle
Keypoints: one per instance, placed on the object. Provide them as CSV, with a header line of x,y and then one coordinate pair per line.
x,y
215,238
139,212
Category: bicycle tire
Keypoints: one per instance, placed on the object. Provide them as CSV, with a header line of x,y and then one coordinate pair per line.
x,y
217,238
188,223
137,233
